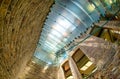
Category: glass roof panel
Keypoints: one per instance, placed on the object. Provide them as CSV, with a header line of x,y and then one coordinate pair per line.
x,y
56,33
60,20
67,20
55,26
74,10
90,9
99,6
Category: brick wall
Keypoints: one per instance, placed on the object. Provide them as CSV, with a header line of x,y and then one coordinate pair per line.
x,y
20,26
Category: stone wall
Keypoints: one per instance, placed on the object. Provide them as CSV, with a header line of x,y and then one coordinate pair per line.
x,y
37,69
105,55
98,50
20,25
111,70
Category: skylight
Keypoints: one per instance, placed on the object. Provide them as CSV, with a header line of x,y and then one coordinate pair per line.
x,y
66,21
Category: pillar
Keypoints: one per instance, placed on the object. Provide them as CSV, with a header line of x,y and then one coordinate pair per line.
x,y
74,69
61,73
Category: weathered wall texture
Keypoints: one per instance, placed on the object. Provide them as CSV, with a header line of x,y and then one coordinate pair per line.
x,y
105,55
20,26
37,69
98,50
111,70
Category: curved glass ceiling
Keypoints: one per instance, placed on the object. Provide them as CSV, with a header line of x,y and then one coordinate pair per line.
x,y
68,19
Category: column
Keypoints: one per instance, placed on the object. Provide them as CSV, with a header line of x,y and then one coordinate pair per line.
x,y
74,69
61,73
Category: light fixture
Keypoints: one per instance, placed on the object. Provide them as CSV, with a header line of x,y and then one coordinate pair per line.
x,y
27,68
33,62
86,66
89,63
91,7
70,77
110,1
45,68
